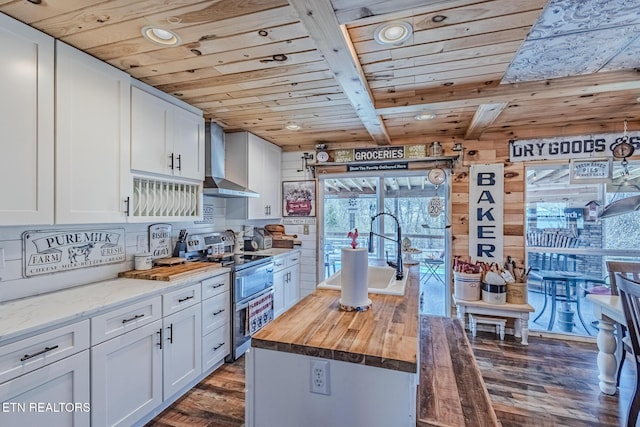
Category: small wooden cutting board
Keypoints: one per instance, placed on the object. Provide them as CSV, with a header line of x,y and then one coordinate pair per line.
x,y
169,261
171,272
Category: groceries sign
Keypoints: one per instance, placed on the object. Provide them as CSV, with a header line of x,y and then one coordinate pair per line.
x,y
380,154
579,147
486,201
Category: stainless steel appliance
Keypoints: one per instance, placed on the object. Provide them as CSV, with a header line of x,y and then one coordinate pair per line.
x,y
252,285
215,183
262,238
252,300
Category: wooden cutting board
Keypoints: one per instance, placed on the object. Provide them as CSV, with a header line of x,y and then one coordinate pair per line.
x,y
169,261
171,272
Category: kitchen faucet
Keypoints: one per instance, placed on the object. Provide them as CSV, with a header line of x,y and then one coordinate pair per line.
x,y
398,264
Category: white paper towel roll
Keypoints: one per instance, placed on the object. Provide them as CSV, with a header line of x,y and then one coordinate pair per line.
x,y
354,277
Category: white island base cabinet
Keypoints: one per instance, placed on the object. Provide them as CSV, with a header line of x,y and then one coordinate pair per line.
x,y
359,395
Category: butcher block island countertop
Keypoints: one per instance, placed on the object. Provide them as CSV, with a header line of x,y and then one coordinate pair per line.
x,y
385,336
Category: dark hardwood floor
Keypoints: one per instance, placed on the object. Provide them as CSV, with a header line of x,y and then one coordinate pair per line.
x,y
551,382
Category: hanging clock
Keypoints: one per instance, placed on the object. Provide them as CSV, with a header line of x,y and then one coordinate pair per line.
x,y
622,149
437,176
322,156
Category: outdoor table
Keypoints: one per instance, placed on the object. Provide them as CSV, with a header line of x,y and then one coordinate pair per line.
x,y
432,265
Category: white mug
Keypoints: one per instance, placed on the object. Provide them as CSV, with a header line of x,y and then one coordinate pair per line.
x,y
143,261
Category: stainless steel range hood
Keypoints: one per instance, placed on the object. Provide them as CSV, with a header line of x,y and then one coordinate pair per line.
x,y
215,183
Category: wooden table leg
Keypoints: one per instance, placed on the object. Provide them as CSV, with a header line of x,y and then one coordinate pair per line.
x,y
606,356
460,312
524,327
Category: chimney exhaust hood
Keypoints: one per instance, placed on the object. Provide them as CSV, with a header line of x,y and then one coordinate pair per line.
x,y
215,184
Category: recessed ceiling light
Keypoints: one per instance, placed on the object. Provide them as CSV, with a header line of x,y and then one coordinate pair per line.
x,y
160,36
293,126
424,116
394,32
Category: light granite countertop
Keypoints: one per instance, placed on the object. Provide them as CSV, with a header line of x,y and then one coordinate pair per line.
x,y
42,312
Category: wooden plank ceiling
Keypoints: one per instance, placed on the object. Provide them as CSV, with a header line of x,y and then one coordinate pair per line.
x,y
487,70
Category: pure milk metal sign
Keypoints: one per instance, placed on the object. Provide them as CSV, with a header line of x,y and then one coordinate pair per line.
x,y
46,252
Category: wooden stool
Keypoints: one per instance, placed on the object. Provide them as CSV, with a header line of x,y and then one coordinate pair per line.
x,y
474,319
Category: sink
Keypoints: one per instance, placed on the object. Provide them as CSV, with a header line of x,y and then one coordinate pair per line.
x,y
381,280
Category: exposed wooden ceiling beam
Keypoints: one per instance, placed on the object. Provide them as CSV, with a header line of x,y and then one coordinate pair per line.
x,y
349,10
333,42
449,97
482,119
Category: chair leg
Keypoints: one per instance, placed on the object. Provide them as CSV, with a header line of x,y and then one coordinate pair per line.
x,y
634,405
621,353
544,307
622,357
584,325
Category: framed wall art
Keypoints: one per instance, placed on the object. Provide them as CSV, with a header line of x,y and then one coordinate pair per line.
x,y
299,198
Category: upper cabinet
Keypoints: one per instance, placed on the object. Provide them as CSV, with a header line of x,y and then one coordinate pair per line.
x,y
166,139
26,120
255,163
93,183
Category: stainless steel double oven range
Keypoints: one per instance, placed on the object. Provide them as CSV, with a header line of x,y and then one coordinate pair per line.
x,y
252,289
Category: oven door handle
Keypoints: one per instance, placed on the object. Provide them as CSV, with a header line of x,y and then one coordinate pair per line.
x,y
241,305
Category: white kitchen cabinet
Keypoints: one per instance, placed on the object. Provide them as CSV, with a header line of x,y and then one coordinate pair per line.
x,y
93,181
182,349
278,292
286,282
46,370
126,376
39,350
255,163
55,395
292,281
27,123
166,139
216,315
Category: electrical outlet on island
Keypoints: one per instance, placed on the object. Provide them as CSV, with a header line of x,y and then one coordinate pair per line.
x,y
320,377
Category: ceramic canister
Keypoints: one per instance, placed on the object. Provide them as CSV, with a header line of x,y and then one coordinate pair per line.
x,y
143,261
494,294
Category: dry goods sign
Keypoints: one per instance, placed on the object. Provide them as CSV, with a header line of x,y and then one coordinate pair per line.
x,y
46,252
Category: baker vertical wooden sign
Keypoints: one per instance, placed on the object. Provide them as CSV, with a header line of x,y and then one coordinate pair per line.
x,y
486,208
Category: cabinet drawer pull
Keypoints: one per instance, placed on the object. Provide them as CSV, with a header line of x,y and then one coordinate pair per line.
x,y
131,319
171,164
218,312
171,333
179,167
45,350
159,344
217,285
127,202
185,298
218,346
